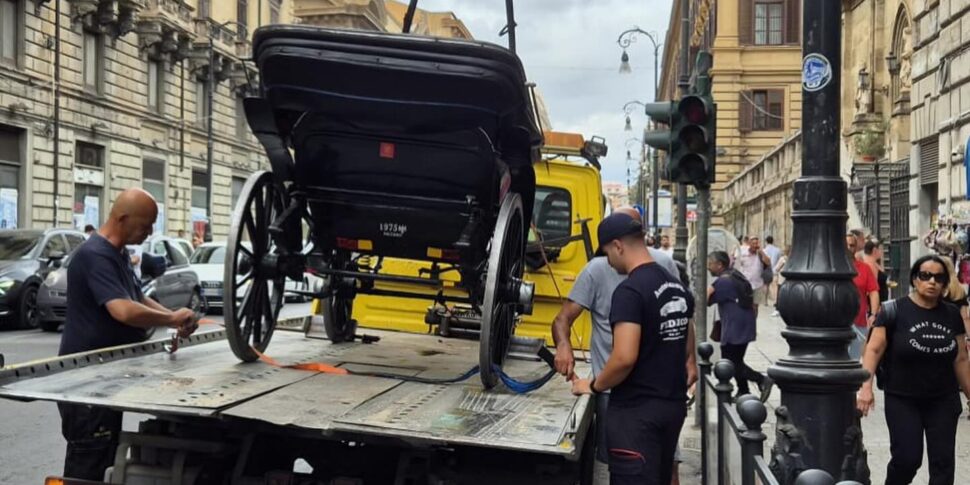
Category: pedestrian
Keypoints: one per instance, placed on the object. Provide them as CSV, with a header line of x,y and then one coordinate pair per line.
x,y
751,262
105,308
735,300
860,241
181,234
593,292
868,290
88,231
779,278
872,255
774,254
651,318
917,352
665,245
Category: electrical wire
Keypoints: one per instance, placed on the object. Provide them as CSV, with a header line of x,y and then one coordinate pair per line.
x,y
759,108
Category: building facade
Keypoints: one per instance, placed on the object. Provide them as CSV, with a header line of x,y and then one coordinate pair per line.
x,y
940,104
97,96
756,78
379,16
878,158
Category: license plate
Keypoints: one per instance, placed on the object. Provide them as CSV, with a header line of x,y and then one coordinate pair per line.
x,y
213,292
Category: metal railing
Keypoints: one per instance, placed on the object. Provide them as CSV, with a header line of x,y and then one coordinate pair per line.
x,y
732,441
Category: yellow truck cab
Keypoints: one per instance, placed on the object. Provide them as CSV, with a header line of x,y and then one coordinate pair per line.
x,y
568,207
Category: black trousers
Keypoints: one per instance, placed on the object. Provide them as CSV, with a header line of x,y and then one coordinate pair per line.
x,y
92,438
602,407
642,440
742,373
909,420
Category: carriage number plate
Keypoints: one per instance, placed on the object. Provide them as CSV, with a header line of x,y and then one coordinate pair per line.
x,y
391,229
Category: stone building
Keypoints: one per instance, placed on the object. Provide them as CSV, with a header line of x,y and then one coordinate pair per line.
x,y
756,78
940,104
878,157
100,95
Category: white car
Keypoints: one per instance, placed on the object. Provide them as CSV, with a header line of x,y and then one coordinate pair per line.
x,y
208,262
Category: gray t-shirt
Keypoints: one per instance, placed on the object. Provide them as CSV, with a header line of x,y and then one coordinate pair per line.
x,y
593,291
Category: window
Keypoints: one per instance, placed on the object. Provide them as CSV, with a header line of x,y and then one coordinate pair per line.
x,y
88,154
10,163
93,61
274,12
74,240
242,16
10,21
237,186
87,205
201,102
156,86
153,181
200,187
762,110
768,21
54,244
204,9
553,214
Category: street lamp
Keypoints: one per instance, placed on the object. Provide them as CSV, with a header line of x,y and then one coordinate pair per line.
x,y
818,378
628,109
625,40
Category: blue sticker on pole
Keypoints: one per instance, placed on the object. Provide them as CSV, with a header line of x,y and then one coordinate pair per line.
x,y
816,72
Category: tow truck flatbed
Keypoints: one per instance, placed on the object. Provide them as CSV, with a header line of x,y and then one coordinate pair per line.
x,y
204,382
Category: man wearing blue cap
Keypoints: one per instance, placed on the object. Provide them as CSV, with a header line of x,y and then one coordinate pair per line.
x,y
593,292
650,316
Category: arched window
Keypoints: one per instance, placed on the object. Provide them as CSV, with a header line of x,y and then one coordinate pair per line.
x,y
899,60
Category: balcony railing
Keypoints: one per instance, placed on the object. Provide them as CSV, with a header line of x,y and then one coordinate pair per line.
x,y
732,441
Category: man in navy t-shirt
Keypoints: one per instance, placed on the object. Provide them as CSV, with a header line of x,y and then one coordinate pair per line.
x,y
651,315
106,308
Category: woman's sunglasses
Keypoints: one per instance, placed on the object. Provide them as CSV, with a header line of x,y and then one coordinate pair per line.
x,y
940,278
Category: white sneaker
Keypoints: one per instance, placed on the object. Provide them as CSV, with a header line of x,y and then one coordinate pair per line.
x,y
775,313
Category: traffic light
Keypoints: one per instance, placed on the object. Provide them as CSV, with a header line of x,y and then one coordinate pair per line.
x,y
692,161
662,113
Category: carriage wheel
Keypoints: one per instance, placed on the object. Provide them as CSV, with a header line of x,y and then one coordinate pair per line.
x,y
337,319
505,267
253,287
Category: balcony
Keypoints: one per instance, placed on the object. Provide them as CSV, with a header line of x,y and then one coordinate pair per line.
x,y
175,14
226,39
112,17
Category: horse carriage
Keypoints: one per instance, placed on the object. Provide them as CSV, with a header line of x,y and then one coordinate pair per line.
x,y
385,145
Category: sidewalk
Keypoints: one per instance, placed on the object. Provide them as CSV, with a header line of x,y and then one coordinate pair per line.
x,y
770,347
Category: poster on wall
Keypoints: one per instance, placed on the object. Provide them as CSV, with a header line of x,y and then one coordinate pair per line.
x,y
8,208
92,210
200,219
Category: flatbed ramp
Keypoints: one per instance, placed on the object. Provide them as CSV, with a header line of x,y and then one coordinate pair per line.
x,y
204,379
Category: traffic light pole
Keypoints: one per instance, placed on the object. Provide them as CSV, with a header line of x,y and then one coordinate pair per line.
x,y
818,379
683,85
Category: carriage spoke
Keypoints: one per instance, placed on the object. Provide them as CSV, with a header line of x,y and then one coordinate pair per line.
x,y
247,277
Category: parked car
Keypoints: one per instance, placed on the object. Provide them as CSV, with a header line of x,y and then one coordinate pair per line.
x,y
176,285
208,261
26,257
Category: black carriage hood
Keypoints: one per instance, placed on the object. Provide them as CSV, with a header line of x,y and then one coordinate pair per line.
x,y
393,83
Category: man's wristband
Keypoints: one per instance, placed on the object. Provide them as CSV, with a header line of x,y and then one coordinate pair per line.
x,y
592,386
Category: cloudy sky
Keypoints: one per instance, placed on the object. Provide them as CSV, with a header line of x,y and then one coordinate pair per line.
x,y
569,50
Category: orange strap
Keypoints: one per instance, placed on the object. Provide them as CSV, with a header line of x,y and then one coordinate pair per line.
x,y
310,366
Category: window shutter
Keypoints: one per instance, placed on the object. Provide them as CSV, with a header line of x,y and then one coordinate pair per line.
x,y
776,97
929,161
745,22
744,111
793,21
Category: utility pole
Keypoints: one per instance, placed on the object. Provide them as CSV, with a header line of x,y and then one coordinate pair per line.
x,y
818,379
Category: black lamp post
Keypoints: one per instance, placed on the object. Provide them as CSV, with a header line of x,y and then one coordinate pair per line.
x,y
818,380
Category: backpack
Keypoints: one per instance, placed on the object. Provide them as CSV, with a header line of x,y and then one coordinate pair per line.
x,y
743,288
889,311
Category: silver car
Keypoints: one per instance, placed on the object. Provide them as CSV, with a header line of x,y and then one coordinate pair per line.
x,y
177,287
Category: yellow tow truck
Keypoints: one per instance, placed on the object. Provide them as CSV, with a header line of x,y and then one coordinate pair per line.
x,y
568,206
